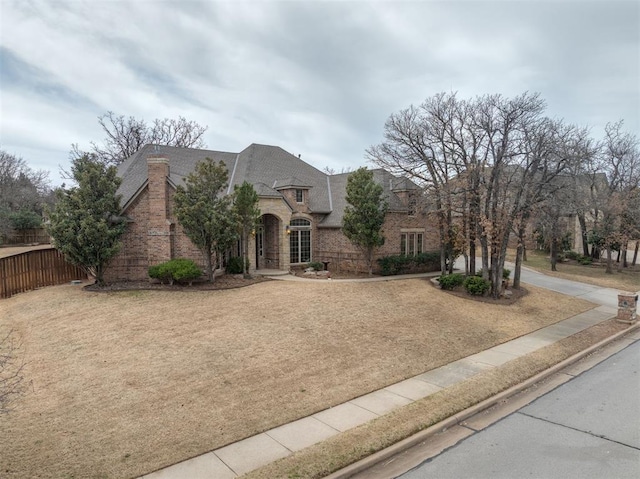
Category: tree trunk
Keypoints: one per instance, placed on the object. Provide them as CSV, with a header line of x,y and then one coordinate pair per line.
x,y
485,257
622,264
609,269
583,234
524,252
516,272
553,246
99,275
472,257
519,255
245,253
208,265
635,253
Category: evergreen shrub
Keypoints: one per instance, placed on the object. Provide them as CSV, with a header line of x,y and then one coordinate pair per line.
x,y
450,281
399,264
476,285
235,265
181,270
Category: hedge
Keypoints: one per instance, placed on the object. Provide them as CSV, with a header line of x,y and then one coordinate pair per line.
x,y
181,270
399,264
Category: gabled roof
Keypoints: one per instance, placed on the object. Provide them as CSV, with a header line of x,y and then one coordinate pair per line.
x,y
268,169
338,186
403,184
265,191
182,161
269,164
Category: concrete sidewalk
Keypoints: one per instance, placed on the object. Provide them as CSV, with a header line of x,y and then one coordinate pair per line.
x,y
248,454
586,425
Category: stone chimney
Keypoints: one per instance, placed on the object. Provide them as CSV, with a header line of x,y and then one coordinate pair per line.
x,y
159,235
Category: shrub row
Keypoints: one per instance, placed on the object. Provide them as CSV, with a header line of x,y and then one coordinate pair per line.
x,y
582,259
399,264
180,270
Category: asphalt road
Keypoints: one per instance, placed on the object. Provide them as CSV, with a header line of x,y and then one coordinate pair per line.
x,y
587,428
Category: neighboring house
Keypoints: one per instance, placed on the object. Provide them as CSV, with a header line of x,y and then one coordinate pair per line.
x,y
301,209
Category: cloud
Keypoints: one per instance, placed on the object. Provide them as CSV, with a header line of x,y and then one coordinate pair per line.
x,y
317,78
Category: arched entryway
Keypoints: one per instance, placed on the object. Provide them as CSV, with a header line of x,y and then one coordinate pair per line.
x,y
267,253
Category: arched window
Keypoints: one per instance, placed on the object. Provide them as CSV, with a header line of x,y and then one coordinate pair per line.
x,y
300,241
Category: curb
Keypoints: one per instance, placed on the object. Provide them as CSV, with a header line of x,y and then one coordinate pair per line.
x,y
456,419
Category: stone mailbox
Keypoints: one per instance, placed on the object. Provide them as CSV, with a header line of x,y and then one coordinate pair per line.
x,y
627,304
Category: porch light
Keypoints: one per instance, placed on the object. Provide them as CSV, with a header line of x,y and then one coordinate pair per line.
x,y
287,229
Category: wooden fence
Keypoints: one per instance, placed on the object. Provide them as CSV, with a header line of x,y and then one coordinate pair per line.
x,y
35,269
30,236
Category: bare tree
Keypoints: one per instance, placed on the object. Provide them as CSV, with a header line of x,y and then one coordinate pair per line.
x,y
619,159
126,135
12,383
485,162
417,144
553,149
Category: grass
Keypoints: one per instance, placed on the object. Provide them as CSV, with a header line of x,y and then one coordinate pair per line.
x,y
348,447
627,279
125,383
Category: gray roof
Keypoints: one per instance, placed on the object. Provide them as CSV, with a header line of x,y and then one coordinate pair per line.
x,y
339,194
182,161
292,182
266,167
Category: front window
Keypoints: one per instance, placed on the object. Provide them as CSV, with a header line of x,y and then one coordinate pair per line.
x,y
299,196
411,243
300,241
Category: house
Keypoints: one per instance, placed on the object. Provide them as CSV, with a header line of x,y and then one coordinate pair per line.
x,y
301,208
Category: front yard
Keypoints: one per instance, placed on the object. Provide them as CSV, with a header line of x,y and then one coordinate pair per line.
x,y
124,383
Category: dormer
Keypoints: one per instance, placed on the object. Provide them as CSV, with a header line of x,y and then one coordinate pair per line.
x,y
295,191
408,192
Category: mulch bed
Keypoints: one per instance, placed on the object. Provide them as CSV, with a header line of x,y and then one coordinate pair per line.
x,y
221,282
460,292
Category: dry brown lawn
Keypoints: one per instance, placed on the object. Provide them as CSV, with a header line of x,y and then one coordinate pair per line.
x,y
321,459
125,383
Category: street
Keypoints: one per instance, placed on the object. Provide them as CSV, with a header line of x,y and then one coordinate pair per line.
x,y
587,428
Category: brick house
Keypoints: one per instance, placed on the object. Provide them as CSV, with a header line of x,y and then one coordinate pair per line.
x,y
301,208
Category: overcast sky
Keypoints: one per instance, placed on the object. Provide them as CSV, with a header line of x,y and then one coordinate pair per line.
x,y
315,78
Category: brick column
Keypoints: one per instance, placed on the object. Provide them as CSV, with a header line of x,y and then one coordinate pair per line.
x,y
159,235
627,304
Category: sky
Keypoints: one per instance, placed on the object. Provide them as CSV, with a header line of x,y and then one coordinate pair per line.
x,y
317,78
